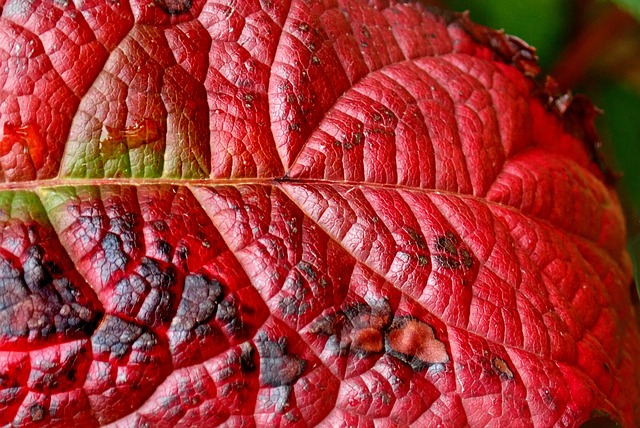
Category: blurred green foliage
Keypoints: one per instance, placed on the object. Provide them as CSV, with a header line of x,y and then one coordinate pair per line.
x,y
552,26
541,23
633,6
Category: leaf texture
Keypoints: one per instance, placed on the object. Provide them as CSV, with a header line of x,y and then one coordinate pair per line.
x,y
272,213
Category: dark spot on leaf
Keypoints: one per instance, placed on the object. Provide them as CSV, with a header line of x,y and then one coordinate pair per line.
x,y
114,256
35,273
357,138
36,304
294,127
357,328
164,248
453,253
37,412
502,368
200,299
118,337
600,419
246,359
466,258
174,7
160,226
53,268
277,366
307,268
447,262
414,342
147,292
448,243
293,305
70,374
248,99
416,237
182,252
304,27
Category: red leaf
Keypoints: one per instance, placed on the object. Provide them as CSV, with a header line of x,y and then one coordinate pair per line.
x,y
264,213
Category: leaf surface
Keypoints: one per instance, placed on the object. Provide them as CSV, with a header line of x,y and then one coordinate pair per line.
x,y
299,214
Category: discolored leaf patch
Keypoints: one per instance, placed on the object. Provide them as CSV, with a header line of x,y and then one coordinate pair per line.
x,y
174,7
450,253
502,368
414,342
277,366
363,330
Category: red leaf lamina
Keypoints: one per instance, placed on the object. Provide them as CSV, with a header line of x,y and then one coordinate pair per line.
x,y
271,213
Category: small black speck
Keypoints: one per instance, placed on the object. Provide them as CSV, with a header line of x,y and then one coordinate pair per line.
x,y
294,127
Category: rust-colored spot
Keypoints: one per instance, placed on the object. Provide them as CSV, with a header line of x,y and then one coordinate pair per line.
x,y
357,328
368,340
143,132
502,368
174,7
415,343
37,412
28,139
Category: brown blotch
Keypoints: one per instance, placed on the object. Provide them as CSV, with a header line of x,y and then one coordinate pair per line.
x,y
143,132
174,7
37,412
246,358
448,243
414,342
416,237
502,368
447,262
466,258
453,253
358,328
369,340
